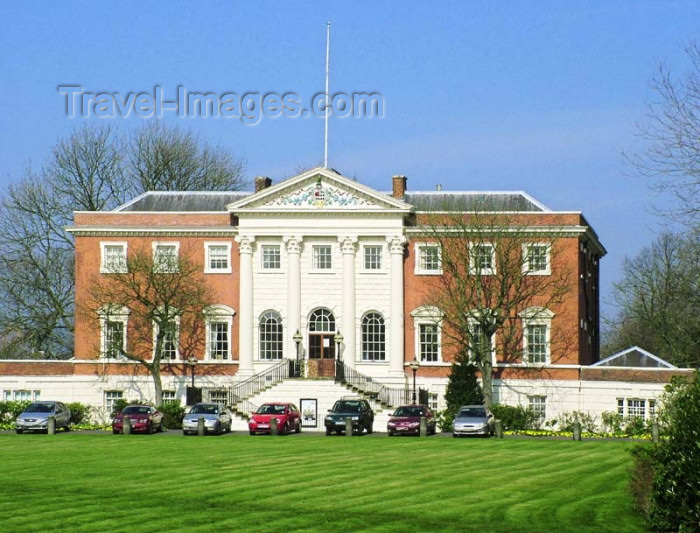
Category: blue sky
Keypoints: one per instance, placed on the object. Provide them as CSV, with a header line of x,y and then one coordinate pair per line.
x,y
533,96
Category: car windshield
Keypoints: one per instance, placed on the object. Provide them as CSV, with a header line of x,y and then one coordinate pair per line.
x,y
40,408
136,410
271,410
204,410
409,411
348,407
473,412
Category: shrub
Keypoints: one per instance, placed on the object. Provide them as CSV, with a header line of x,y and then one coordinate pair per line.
x,y
636,426
675,495
566,421
444,419
516,417
612,422
79,413
173,414
12,409
641,477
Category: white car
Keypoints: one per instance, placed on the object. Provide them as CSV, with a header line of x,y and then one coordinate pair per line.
x,y
36,417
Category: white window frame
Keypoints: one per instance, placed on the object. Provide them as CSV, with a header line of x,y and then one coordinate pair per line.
x,y
113,314
266,266
641,406
366,338
537,316
111,397
538,405
474,269
473,324
315,257
165,269
420,267
105,266
367,255
422,316
22,395
218,314
269,341
527,270
176,318
208,269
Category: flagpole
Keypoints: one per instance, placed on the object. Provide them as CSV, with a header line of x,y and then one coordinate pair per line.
x,y
328,63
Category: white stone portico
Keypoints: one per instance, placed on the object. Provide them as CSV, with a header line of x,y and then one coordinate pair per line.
x,y
322,212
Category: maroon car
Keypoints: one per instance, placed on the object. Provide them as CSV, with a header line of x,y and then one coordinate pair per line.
x,y
287,416
144,419
406,420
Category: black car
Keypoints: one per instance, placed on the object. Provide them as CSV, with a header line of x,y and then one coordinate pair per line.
x,y
356,409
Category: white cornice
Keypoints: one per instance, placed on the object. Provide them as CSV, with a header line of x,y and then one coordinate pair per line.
x,y
204,231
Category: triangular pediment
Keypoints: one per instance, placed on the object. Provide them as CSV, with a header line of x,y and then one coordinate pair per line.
x,y
318,189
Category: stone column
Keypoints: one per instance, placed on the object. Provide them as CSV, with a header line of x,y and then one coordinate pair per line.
x,y
348,246
396,332
245,334
294,245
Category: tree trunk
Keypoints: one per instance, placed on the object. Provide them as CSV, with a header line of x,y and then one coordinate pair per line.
x,y
486,368
155,372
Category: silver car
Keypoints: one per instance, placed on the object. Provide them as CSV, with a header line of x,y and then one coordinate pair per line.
x,y
36,417
217,419
473,420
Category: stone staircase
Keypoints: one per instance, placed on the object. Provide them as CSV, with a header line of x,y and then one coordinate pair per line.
x,y
324,391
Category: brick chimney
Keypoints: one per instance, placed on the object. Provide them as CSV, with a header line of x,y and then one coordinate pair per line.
x,y
398,187
262,182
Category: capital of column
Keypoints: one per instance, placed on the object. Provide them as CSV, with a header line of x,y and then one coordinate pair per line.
x,y
396,243
348,245
245,244
293,243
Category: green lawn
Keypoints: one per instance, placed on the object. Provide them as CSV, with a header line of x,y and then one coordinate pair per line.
x,y
108,483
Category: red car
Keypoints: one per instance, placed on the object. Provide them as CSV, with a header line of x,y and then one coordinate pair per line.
x,y
406,420
287,415
144,419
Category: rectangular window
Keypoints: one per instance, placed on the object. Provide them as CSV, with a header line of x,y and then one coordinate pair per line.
x,y
171,341
536,343
373,257
218,257
165,257
428,259
652,408
36,395
113,338
482,259
7,395
429,343
322,257
621,406
480,341
218,340
22,395
218,396
635,408
111,397
433,400
169,396
113,257
271,257
536,259
538,405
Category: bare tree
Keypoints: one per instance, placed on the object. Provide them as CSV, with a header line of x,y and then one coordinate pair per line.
x,y
672,134
659,301
92,169
488,264
164,299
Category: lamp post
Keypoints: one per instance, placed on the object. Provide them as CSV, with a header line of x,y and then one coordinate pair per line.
x,y
192,361
338,338
415,365
297,340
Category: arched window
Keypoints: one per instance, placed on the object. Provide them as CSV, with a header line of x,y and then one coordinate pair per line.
x,y
373,337
271,336
322,320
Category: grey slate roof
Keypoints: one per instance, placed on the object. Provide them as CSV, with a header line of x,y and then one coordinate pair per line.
x,y
182,201
473,201
178,201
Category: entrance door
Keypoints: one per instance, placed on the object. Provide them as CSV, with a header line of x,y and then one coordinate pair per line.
x,y
321,355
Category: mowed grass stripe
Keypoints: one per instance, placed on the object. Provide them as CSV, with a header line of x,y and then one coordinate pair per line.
x,y
105,482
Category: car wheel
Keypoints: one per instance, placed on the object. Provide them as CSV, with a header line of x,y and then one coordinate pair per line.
x,y
20,431
369,429
150,428
115,432
228,428
390,433
297,429
338,431
328,432
160,427
252,432
455,435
